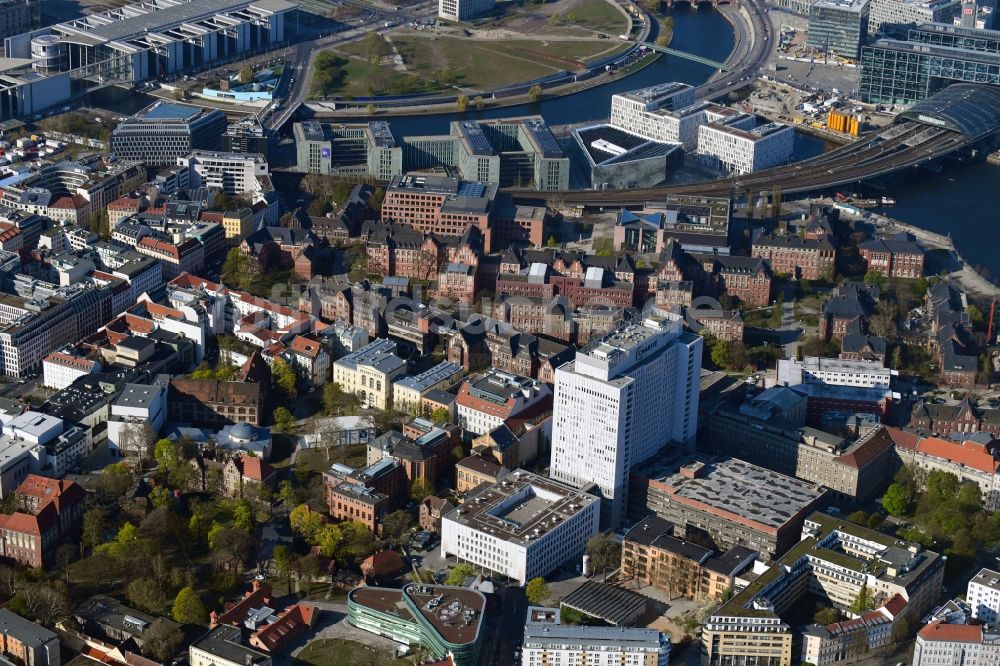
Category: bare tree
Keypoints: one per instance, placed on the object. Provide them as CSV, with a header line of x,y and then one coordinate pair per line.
x,y
329,435
136,440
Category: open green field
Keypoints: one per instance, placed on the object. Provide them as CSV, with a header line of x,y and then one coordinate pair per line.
x,y
470,63
340,652
595,15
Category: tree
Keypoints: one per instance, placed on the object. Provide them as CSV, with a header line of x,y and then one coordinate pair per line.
x,y
283,420
826,616
421,488
462,103
188,608
94,524
285,378
162,640
552,242
604,552
896,362
720,353
537,591
282,558
246,75
440,416
287,493
863,602
305,522
337,401
534,93
873,277
137,440
147,594
376,199
396,525
663,40
458,575
479,102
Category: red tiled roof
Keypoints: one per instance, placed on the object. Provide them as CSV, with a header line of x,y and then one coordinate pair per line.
x,y
256,469
291,623
867,451
237,611
952,633
304,345
969,454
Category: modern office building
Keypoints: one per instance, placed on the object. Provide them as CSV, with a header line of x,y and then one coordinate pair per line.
x,y
246,135
907,72
548,641
347,149
446,621
641,111
509,151
838,27
770,431
894,17
739,146
521,527
983,596
623,397
464,10
835,560
231,173
617,159
723,502
165,131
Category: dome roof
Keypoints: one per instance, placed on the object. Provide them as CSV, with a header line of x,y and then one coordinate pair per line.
x,y
243,431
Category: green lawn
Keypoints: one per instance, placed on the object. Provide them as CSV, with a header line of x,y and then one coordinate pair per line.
x,y
340,652
475,64
315,460
597,15
577,49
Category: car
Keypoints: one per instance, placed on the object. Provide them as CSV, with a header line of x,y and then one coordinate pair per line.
x,y
38,116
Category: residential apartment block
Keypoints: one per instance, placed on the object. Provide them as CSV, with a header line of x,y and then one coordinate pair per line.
x,y
835,560
548,641
983,596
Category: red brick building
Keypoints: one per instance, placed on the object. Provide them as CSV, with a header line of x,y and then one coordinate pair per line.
x,y
745,278
49,513
796,256
894,257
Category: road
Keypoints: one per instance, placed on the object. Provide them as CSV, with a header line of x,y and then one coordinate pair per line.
x,y
301,57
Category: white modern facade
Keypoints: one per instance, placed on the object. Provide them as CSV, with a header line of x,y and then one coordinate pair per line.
x,y
232,173
983,596
890,16
644,111
834,372
547,641
619,401
464,10
521,527
136,405
742,150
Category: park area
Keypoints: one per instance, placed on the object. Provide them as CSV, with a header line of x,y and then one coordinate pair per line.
x,y
527,43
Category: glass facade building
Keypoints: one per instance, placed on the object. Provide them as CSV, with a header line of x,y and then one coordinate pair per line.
x,y
838,27
906,72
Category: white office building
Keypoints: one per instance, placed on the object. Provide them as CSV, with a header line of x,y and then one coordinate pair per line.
x,y
521,527
622,398
643,111
834,372
741,150
892,17
62,368
232,173
464,10
547,641
136,405
983,596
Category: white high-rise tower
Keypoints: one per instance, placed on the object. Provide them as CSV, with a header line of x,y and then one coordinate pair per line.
x,y
619,401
